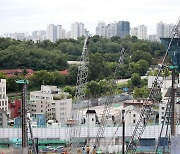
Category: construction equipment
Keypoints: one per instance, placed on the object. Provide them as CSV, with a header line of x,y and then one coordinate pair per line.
x,y
147,108
108,102
25,119
80,95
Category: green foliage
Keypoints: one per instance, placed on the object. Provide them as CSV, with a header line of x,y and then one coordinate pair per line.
x,y
72,77
2,76
139,55
96,89
70,90
104,54
141,92
46,78
135,80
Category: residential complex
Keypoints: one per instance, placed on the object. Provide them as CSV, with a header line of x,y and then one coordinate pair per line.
x,y
121,29
116,28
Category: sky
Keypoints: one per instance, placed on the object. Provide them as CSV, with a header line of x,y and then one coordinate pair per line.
x,y
29,15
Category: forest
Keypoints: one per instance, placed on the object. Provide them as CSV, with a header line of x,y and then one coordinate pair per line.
x,y
46,58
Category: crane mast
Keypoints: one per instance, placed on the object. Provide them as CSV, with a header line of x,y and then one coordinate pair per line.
x,y
147,108
108,102
80,94
25,120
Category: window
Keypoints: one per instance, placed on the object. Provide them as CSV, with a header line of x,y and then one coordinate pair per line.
x,y
2,103
92,119
134,115
134,121
41,110
162,108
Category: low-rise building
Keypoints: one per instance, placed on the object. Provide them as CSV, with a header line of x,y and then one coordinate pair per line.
x,y
52,102
3,119
3,96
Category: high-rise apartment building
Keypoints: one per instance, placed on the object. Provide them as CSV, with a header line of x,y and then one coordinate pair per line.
x,y
168,29
123,29
77,30
152,37
160,30
52,32
39,35
134,31
59,32
111,30
164,30
101,29
142,32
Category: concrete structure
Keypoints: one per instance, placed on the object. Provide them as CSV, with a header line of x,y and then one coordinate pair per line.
x,y
101,29
123,29
142,32
52,102
111,30
134,31
3,96
52,32
160,30
164,30
77,30
59,32
152,37
39,35
3,119
62,110
132,114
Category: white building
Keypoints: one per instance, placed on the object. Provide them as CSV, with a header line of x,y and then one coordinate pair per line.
x,y
164,30
62,110
111,30
52,102
168,29
3,96
160,30
51,32
134,31
39,35
59,32
77,30
152,37
142,32
132,115
101,29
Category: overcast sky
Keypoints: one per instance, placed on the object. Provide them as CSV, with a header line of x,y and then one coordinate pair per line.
x,y
29,15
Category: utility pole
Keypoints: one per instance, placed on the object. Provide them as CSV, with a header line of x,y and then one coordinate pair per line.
x,y
123,132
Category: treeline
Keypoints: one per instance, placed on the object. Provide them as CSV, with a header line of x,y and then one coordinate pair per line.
x,y
104,55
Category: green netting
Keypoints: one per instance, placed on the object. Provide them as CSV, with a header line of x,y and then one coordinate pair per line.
x,y
174,50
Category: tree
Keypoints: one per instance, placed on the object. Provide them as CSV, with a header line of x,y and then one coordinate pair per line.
x,y
42,78
72,77
141,92
70,90
135,80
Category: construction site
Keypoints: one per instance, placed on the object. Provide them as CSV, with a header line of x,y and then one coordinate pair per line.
x,y
98,135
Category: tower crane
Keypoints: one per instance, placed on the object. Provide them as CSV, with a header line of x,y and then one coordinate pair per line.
x,y
107,104
25,120
80,94
147,108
